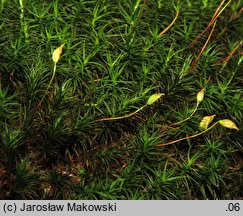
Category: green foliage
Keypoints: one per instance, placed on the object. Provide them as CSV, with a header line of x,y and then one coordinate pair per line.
x,y
91,129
